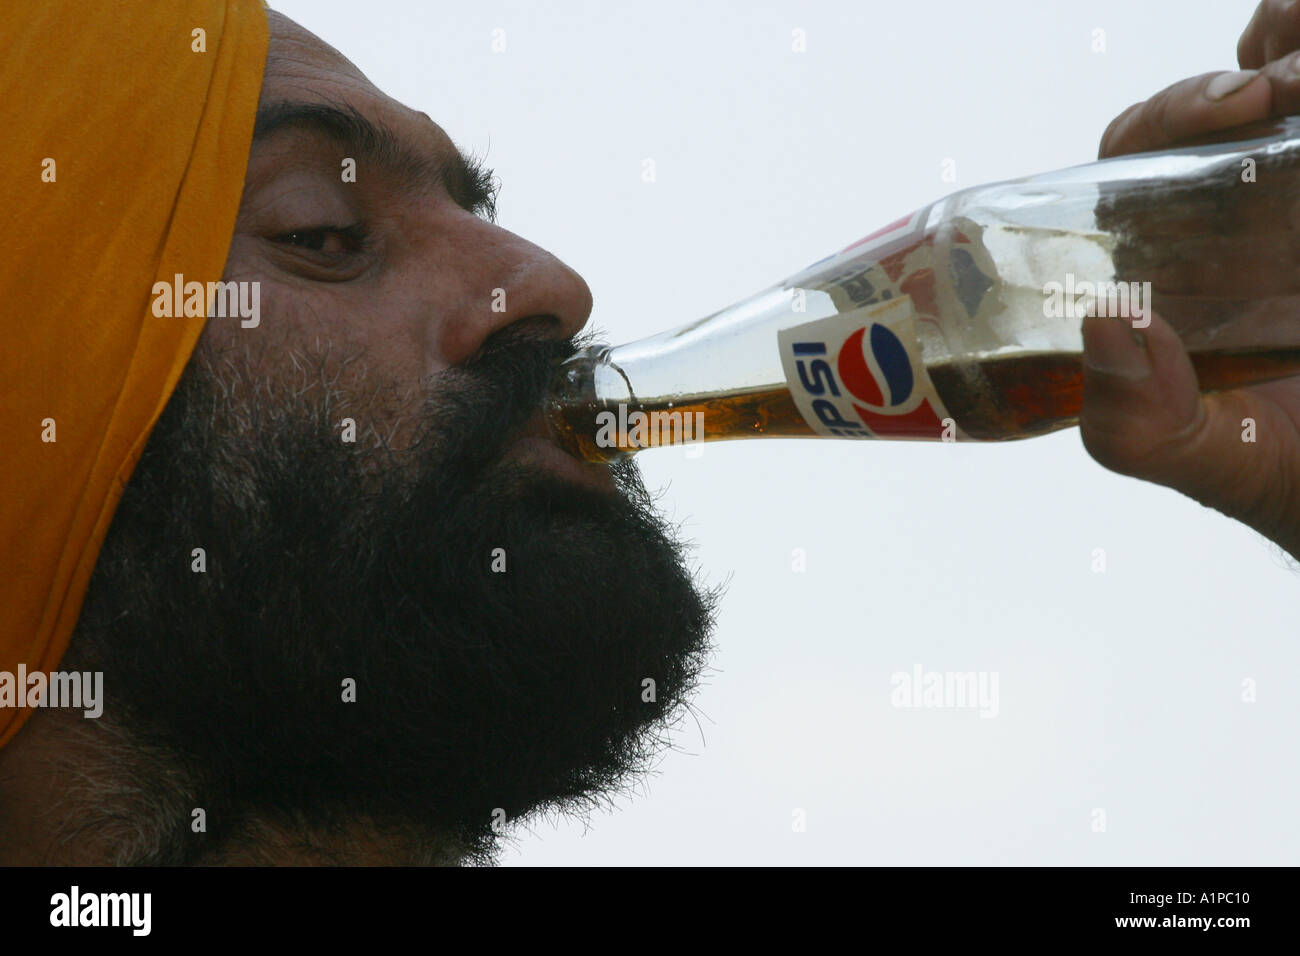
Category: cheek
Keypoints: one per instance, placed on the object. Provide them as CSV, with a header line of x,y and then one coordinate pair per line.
x,y
369,342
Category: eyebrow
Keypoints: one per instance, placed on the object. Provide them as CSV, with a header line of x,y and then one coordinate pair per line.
x,y
471,184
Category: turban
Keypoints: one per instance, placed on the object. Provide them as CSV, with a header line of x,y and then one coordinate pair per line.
x,y
127,129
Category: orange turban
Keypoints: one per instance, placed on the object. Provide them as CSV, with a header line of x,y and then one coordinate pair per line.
x,y
127,128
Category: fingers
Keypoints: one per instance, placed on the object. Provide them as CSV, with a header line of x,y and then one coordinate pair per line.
x,y
1205,104
1284,78
1273,32
1188,109
1143,415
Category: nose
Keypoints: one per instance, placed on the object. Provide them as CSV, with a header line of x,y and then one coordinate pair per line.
x,y
504,279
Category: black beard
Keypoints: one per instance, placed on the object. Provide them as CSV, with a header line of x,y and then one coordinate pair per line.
x,y
481,696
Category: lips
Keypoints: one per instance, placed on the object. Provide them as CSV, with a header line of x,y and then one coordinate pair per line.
x,y
538,427
536,443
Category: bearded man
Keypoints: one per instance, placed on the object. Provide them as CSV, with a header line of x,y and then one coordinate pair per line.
x,y
355,605
276,466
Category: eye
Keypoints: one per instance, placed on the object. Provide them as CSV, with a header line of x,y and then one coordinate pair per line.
x,y
326,240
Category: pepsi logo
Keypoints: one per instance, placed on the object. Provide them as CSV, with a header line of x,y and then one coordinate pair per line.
x,y
874,366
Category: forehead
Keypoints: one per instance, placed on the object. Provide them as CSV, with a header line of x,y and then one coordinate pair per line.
x,y
301,67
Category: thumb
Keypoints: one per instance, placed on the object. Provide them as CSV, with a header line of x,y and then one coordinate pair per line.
x,y
1143,415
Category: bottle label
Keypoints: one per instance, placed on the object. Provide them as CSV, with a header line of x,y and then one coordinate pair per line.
x,y
900,260
860,374
879,245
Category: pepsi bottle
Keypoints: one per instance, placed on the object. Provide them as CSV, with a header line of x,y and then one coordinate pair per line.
x,y
961,322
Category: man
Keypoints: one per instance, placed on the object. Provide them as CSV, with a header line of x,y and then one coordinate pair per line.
x,y
354,606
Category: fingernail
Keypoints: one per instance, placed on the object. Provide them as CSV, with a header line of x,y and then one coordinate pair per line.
x,y
1227,83
1114,347
1295,64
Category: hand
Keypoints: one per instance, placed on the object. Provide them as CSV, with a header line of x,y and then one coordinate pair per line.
x,y
1142,412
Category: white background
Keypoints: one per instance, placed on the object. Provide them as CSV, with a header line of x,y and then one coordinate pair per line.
x,y
1119,691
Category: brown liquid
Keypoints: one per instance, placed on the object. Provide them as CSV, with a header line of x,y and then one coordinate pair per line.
x,y
764,414
1033,394
1015,396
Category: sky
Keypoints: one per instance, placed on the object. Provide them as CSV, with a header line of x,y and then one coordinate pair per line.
x,y
1143,646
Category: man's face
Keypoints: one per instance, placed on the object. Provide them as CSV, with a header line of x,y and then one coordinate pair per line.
x,y
369,232
436,628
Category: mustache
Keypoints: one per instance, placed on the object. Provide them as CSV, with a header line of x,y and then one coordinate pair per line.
x,y
474,410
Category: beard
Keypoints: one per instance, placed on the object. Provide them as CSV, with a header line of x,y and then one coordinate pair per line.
x,y
437,639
